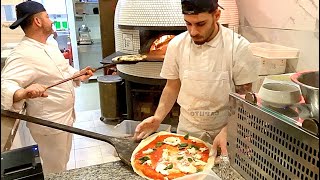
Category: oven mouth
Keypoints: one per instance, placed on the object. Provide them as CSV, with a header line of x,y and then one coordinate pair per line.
x,y
156,45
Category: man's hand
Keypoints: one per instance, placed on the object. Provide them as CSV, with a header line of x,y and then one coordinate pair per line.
x,y
146,127
87,73
220,141
32,91
243,89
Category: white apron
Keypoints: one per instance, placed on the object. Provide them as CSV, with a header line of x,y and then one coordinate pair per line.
x,y
204,97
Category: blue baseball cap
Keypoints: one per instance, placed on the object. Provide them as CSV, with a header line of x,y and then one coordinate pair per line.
x,y
26,9
199,6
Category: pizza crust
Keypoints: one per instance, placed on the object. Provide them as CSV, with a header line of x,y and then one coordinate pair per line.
x,y
149,139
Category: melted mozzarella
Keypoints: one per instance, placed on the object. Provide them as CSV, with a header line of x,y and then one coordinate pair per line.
x,y
197,156
199,162
203,149
165,154
173,141
148,162
160,169
187,169
148,151
192,150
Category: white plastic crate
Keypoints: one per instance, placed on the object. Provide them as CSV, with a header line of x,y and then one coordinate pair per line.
x,y
272,57
273,51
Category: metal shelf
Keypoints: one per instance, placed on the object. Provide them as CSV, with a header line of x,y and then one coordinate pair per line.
x,y
266,145
86,2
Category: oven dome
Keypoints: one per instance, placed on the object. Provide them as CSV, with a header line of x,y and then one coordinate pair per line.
x,y
150,13
144,13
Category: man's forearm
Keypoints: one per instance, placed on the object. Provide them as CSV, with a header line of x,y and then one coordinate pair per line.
x,y
168,98
19,95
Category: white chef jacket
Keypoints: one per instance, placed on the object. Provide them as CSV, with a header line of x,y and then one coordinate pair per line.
x,y
208,73
34,62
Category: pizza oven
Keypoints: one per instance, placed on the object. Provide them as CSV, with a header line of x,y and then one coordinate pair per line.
x,y
140,24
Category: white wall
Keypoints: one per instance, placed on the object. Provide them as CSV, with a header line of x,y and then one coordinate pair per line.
x,y
8,35
292,23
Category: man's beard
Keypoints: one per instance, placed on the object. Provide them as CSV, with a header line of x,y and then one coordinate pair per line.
x,y
205,40
199,42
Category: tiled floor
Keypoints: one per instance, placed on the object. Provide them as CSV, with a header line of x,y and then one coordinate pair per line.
x,y
87,151
87,96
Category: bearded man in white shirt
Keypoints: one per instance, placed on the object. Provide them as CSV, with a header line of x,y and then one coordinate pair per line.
x,y
32,66
202,66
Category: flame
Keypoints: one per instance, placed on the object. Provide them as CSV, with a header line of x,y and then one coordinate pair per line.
x,y
161,42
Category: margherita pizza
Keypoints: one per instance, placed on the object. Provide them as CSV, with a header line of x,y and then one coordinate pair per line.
x,y
168,156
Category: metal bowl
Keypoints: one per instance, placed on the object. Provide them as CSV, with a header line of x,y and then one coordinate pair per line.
x,y
309,85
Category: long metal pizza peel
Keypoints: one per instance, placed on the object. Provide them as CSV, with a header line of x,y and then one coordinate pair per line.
x,y
123,145
148,58
94,70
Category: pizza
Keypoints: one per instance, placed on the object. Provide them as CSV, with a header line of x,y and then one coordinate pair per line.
x,y
131,57
165,156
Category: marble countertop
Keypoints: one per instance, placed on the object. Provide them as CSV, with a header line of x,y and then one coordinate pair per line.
x,y
112,170
118,170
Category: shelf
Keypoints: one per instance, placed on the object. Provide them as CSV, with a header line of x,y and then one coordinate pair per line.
x,y
80,15
86,2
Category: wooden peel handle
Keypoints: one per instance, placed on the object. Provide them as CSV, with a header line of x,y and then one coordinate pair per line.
x,y
65,80
60,82
76,76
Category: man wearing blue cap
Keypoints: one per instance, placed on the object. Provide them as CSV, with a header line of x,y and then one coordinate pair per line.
x,y
202,66
31,67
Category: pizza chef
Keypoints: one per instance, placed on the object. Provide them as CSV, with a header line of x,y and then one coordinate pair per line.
x,y
202,66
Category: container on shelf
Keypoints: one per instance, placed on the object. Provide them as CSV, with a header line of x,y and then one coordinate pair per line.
x,y
272,57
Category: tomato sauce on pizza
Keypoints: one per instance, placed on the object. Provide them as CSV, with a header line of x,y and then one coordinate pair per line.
x,y
170,156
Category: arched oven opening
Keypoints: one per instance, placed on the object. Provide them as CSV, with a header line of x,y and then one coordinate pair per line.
x,y
155,43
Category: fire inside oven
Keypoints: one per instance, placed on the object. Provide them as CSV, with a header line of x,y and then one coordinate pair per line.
x,y
155,42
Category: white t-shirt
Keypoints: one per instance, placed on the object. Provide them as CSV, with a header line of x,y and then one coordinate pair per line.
x,y
208,73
